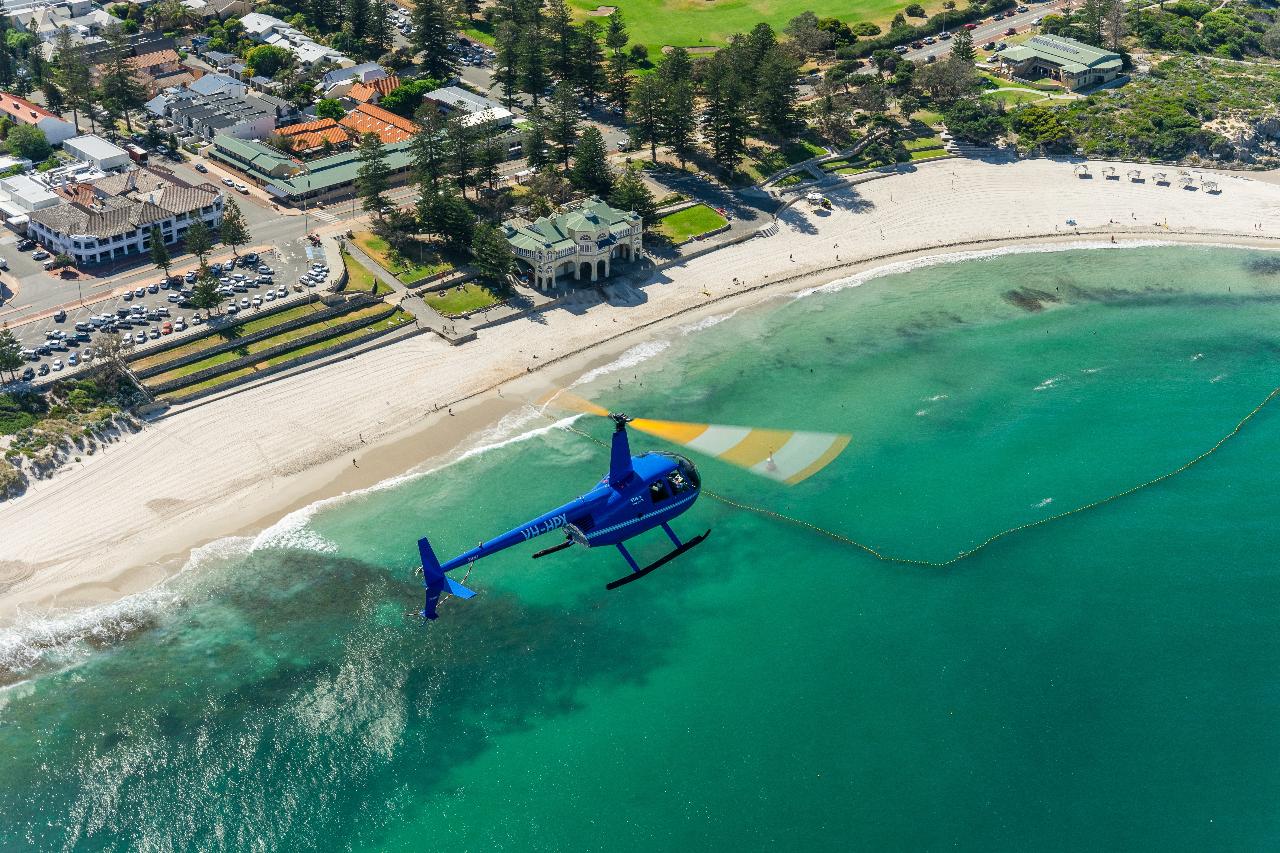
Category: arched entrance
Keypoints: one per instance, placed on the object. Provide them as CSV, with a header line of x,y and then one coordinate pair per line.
x,y
584,270
602,269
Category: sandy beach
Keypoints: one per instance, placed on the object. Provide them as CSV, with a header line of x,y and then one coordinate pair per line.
x,y
123,520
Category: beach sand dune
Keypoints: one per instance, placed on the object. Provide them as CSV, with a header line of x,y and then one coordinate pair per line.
x,y
128,517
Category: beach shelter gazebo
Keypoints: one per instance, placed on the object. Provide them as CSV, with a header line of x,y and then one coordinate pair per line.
x,y
1161,178
1186,181
1210,186
1135,175
1082,170
1111,174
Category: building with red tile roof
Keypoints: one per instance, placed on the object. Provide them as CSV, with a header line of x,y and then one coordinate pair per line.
x,y
21,111
373,91
390,128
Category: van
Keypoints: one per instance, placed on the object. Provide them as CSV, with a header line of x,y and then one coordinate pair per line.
x,y
48,265
82,326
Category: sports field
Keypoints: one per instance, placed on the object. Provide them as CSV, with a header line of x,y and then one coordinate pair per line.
x,y
694,23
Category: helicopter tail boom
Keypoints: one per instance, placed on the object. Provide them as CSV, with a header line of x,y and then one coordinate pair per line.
x,y
435,581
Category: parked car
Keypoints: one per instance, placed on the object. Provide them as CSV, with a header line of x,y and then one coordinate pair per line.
x,y
970,27
153,288
166,328
28,374
44,370
989,46
88,354
196,320
139,338
281,292
257,301
229,182
1023,9
241,188
26,245
73,360
154,333
175,298
59,316
1012,31
139,293
944,35
201,168
39,255
190,277
271,296
900,49
57,364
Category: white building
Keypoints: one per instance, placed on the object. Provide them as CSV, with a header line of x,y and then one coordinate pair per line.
x,y
267,29
115,216
583,242
22,111
98,151
475,109
22,195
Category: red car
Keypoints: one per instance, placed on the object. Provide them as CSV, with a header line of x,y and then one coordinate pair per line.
x,y
970,26
166,328
1012,31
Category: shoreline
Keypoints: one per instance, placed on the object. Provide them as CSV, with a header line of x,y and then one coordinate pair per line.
x,y
426,439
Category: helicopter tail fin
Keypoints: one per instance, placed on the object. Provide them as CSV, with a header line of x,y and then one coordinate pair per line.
x,y
436,581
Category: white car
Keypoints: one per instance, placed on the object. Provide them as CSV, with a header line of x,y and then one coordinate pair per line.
x,y
257,301
271,295
229,182
196,320
281,292
139,338
241,188
57,364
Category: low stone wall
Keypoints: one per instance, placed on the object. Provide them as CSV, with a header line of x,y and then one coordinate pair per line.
x,y
271,352
700,237
357,300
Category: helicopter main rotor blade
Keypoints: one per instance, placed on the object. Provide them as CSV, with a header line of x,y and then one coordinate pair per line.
x,y
573,403
788,456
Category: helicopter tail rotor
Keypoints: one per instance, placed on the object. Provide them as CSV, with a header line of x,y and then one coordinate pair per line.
x,y
436,582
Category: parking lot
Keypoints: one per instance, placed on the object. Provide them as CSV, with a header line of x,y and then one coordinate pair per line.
x,y
141,316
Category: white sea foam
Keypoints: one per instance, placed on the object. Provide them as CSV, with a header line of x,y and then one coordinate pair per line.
x,y
1219,377
1197,356
707,322
1043,503
913,264
1048,383
1089,371
936,397
920,413
637,354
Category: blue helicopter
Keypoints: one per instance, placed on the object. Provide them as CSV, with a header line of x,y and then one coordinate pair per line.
x,y
642,492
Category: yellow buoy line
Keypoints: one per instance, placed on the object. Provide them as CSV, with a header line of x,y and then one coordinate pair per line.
x,y
969,552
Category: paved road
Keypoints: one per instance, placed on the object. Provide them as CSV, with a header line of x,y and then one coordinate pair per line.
x,y
988,30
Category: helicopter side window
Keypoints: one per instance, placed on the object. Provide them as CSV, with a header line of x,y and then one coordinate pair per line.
x,y
678,482
658,491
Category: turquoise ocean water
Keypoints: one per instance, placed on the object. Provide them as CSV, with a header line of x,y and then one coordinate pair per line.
x,y
1106,682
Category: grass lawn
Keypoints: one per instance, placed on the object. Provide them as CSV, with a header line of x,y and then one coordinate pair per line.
x,y
922,143
1012,97
261,345
690,222
359,278
399,318
461,298
223,335
929,117
793,179
409,270
928,154
698,23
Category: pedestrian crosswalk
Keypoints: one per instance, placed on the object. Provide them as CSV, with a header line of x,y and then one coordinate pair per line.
x,y
322,215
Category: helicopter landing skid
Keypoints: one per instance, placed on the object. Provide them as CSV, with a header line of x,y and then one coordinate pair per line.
x,y
638,573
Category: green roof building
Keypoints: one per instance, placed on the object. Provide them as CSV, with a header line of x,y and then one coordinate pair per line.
x,y
1075,63
290,180
583,241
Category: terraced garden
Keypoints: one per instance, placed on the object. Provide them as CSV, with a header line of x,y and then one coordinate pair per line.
x,y
399,318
